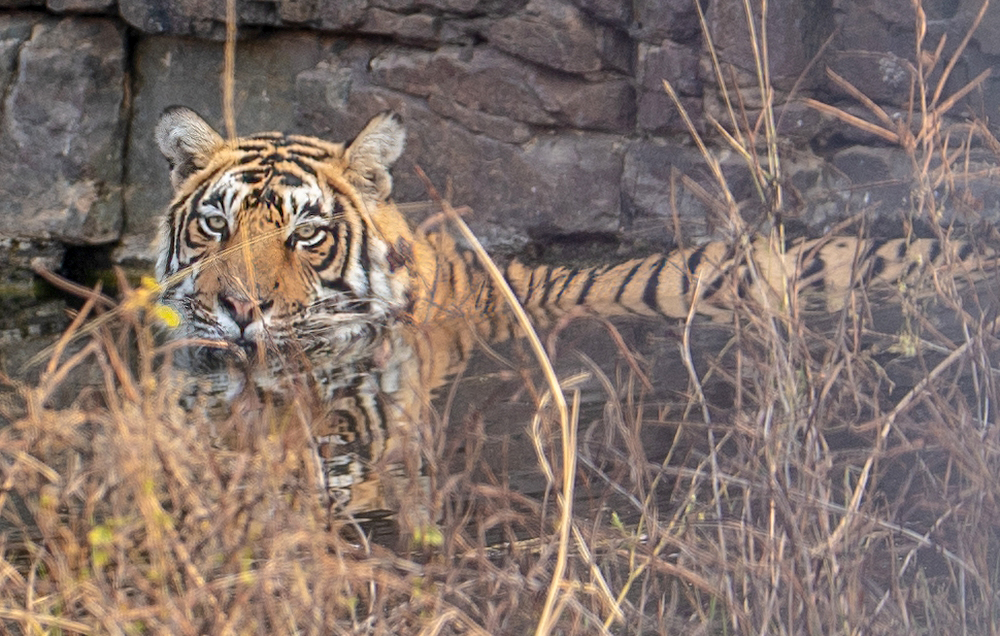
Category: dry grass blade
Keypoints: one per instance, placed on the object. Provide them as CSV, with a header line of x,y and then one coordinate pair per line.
x,y
46,620
713,163
73,288
853,120
566,424
956,56
228,79
950,102
850,89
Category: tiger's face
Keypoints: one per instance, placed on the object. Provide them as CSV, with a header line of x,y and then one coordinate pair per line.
x,y
273,239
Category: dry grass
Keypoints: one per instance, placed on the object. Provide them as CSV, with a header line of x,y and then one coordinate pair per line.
x,y
791,474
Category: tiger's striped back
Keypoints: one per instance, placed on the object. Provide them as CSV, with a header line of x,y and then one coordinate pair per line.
x,y
709,280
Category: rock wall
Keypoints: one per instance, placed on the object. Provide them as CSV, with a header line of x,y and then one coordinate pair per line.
x,y
545,116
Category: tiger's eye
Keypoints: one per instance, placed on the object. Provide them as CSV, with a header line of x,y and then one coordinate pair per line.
x,y
306,232
307,236
216,223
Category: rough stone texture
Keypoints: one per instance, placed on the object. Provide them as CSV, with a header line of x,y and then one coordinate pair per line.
x,y
985,38
679,66
818,193
555,34
79,6
462,83
612,12
29,312
791,37
658,20
206,18
878,177
405,21
62,134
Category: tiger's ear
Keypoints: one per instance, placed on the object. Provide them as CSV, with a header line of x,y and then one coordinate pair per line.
x,y
186,140
373,152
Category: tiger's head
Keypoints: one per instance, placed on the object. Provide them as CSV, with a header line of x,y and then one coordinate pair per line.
x,y
273,238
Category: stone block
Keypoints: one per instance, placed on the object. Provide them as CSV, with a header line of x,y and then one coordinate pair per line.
x,y
613,12
62,129
555,34
985,37
79,6
678,65
795,33
467,8
206,18
880,178
658,20
654,196
652,191
479,85
882,76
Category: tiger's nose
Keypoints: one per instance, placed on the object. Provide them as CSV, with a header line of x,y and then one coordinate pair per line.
x,y
243,311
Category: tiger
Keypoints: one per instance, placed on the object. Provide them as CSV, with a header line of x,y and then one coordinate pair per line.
x,y
287,255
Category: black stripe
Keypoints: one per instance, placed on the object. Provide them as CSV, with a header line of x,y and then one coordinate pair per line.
x,y
626,281
331,254
335,285
815,267
316,154
253,176
901,249
347,239
547,284
365,257
191,243
356,306
878,266
383,418
452,283
527,290
715,286
290,179
936,251
458,346
591,277
965,252
254,148
175,233
874,246
301,163
693,262
338,209
565,285
310,210
743,288
652,284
